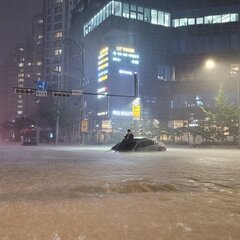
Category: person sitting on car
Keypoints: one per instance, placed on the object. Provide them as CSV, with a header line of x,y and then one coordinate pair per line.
x,y
129,136
126,142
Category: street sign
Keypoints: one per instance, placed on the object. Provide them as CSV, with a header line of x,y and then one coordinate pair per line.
x,y
136,112
84,126
42,85
77,92
41,93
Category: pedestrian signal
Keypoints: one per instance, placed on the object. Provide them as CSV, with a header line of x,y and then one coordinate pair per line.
x,y
24,91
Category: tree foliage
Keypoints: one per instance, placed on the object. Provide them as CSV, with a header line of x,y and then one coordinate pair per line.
x,y
221,120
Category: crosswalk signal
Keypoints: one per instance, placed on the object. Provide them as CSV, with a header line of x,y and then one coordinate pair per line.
x,y
60,94
24,91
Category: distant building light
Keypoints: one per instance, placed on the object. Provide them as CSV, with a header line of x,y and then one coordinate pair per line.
x,y
121,113
104,50
101,90
105,72
103,61
102,55
125,49
103,95
57,52
135,62
103,66
102,113
125,72
116,59
19,112
103,78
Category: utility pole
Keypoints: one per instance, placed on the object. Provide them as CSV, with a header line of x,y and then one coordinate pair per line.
x,y
238,92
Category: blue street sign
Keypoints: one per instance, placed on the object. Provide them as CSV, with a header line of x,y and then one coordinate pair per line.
x,y
42,85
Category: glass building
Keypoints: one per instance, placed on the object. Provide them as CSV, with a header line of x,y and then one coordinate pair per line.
x,y
173,40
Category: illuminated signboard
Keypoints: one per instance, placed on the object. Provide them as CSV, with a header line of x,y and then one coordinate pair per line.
x,y
125,49
123,53
136,112
103,64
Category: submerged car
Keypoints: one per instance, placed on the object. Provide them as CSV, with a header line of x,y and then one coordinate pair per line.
x,y
139,144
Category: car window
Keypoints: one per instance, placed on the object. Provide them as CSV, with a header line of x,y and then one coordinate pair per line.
x,y
140,145
149,143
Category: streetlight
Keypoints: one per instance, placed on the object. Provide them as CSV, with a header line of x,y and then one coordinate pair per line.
x,y
210,64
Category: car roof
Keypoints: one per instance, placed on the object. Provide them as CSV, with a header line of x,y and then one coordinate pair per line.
x,y
139,139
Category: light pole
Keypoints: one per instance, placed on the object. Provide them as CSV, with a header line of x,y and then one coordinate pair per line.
x,y
238,109
235,69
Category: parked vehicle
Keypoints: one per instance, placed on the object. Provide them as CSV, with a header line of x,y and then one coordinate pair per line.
x,y
139,144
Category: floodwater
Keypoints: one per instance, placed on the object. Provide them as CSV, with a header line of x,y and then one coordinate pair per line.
x,y
81,193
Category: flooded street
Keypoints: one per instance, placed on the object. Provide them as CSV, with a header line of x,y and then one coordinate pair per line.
x,y
81,193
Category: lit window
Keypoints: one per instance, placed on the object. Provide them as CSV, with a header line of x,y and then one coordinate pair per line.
x,y
176,23
126,10
147,15
20,64
58,34
154,16
160,18
208,19
183,22
191,21
19,112
57,52
200,20
167,20
217,19
226,18
39,63
234,17
117,8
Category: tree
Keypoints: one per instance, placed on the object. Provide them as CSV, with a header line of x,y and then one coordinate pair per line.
x,y
223,119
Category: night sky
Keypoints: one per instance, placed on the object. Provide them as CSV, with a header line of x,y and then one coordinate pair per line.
x,y
16,25
16,22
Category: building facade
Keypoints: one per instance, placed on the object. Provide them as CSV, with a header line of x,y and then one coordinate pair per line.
x,y
23,71
173,41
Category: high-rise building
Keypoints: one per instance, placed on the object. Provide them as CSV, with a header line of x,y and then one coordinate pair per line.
x,y
24,70
57,17
173,40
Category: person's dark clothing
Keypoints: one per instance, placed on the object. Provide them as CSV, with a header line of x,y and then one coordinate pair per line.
x,y
126,143
129,137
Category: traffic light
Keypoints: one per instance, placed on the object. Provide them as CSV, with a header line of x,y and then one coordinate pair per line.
x,y
60,94
24,91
